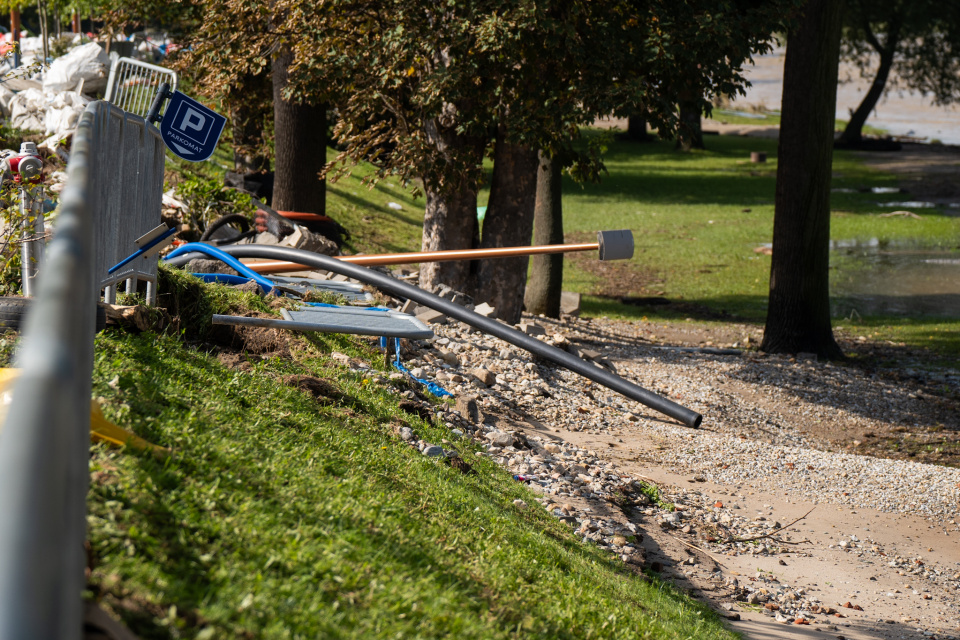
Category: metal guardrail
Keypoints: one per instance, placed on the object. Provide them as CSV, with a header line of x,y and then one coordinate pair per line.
x,y
45,439
129,201
44,442
133,84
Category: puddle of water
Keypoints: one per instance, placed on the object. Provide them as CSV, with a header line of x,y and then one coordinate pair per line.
x,y
868,190
885,278
910,204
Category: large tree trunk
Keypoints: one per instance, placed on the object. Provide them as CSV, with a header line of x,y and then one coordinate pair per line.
x,y
508,222
300,147
853,133
798,318
450,219
637,128
689,133
450,222
250,111
546,271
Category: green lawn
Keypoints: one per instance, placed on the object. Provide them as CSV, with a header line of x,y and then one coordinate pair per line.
x,y
281,517
697,218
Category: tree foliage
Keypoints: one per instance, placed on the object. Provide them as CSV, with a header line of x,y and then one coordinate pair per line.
x,y
542,70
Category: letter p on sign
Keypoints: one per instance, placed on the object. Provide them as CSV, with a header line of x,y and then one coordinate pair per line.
x,y
192,120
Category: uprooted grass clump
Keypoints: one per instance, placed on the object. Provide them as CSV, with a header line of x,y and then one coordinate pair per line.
x,y
194,302
281,516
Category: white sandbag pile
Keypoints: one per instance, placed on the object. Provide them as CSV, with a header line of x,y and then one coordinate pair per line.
x,y
56,109
56,115
87,62
27,110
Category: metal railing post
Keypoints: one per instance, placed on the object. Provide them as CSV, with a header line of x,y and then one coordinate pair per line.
x,y
44,441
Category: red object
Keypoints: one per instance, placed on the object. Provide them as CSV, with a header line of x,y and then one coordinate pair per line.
x,y
15,170
306,217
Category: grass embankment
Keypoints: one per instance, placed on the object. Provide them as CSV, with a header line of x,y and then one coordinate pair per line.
x,y
281,516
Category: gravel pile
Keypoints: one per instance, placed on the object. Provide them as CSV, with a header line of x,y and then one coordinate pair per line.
x,y
741,442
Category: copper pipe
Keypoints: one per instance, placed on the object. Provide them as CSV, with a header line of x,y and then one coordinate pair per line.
x,y
430,256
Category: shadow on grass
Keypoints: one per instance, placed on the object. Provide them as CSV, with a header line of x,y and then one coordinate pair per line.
x,y
749,309
382,527
366,206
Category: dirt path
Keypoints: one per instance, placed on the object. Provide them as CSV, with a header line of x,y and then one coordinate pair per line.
x,y
886,602
800,425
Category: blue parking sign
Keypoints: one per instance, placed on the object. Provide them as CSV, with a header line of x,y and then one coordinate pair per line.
x,y
190,129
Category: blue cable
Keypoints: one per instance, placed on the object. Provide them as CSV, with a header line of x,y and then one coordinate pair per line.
x,y
222,278
432,387
338,306
224,257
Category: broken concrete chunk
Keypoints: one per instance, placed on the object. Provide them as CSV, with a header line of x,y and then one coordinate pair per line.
x,y
531,329
469,409
484,376
454,296
202,265
590,354
431,316
307,240
408,307
484,310
570,303
500,439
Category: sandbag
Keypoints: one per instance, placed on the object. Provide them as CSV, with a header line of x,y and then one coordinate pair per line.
x,y
87,62
27,110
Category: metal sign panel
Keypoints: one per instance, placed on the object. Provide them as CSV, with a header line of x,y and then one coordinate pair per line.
x,y
189,129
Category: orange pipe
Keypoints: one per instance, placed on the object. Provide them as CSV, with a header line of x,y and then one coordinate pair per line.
x,y
430,256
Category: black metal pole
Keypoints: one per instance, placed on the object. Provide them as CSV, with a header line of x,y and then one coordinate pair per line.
x,y
395,287
163,94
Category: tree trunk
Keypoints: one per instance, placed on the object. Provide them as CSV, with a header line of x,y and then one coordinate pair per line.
x,y
546,272
251,102
798,318
300,146
637,128
853,132
508,222
689,133
450,219
450,222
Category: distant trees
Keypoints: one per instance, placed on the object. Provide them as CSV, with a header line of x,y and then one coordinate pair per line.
x,y
917,40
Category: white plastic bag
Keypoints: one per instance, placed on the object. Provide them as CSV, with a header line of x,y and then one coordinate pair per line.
x,y
88,62
27,110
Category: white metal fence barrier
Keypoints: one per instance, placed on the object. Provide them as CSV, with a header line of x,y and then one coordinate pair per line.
x,y
45,438
133,84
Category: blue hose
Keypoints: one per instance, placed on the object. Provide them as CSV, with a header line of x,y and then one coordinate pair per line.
x,y
224,257
222,278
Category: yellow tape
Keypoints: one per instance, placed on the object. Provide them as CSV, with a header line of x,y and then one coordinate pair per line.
x,y
101,429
